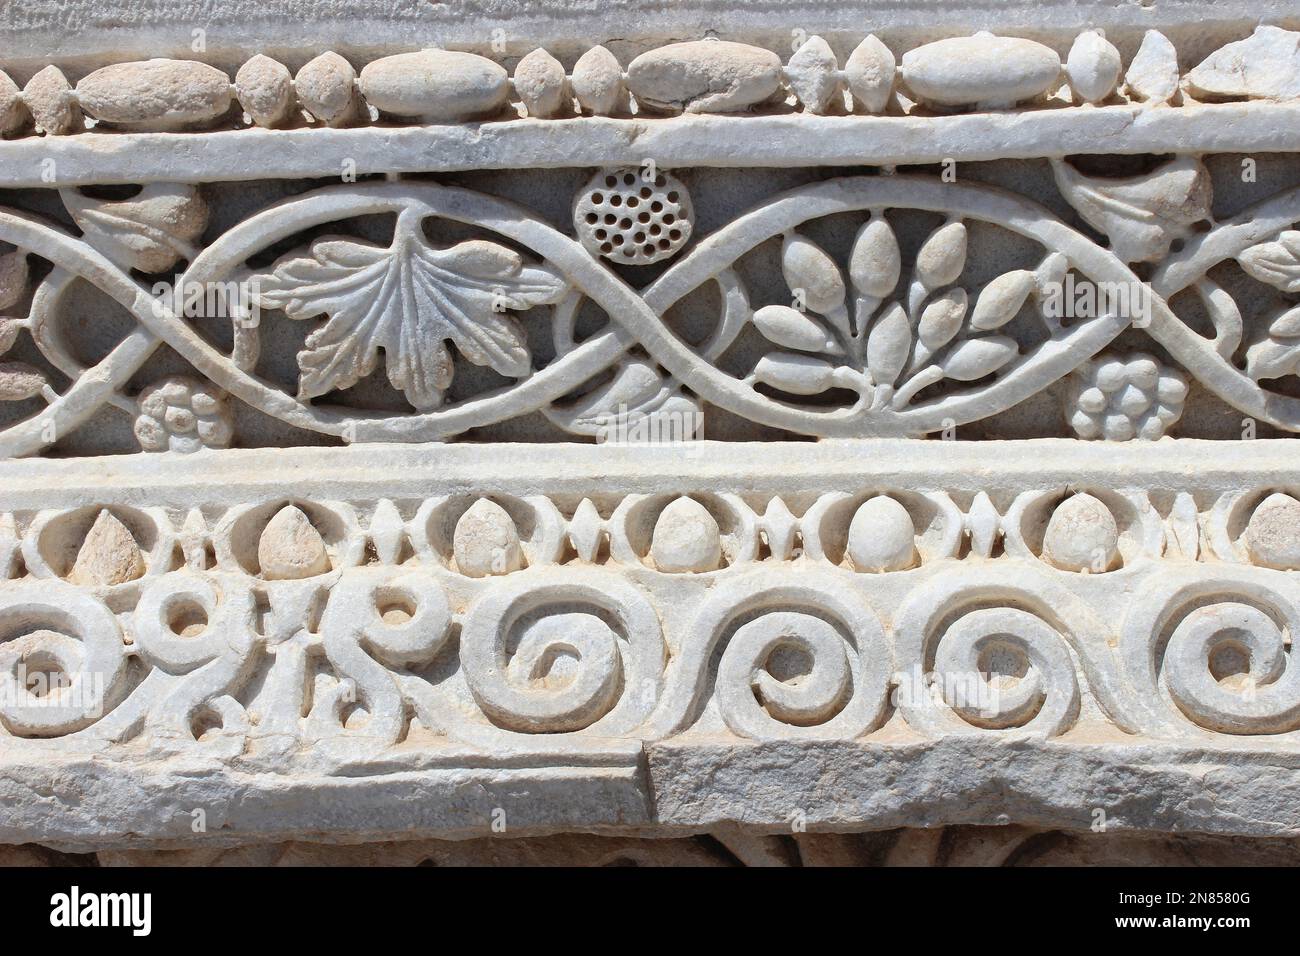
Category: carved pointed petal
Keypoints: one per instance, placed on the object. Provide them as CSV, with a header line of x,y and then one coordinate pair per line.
x,y
108,556
686,538
291,548
486,541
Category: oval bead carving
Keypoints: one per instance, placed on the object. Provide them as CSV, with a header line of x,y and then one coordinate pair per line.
x,y
704,76
597,82
1093,67
983,70
436,85
53,103
265,91
156,94
869,74
541,84
327,88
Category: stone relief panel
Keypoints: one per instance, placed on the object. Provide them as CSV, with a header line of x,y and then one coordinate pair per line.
x,y
920,367
914,300
887,305
345,638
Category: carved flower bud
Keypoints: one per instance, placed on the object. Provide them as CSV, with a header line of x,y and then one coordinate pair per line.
x,y
541,84
597,82
291,548
13,111
882,536
869,73
942,319
791,328
943,256
108,556
52,102
875,262
1093,67
889,345
796,374
686,538
1153,75
265,91
1273,534
486,541
1001,299
808,267
19,381
1081,536
972,359
156,94
327,88
813,75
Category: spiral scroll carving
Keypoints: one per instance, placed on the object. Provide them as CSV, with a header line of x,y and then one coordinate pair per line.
x,y
66,673
1217,647
558,655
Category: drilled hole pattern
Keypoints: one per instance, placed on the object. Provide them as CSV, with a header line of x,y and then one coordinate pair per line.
x,y
626,217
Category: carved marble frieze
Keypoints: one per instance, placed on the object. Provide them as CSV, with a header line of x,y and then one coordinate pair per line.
x,y
884,305
394,442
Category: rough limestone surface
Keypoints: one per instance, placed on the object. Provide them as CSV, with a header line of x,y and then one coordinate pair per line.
x,y
680,434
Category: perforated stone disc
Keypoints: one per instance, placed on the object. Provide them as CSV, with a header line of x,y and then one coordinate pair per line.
x,y
626,217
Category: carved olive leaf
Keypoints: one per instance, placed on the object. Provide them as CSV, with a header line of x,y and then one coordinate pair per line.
x,y
1277,263
810,272
150,231
889,345
875,262
1001,300
18,381
942,319
942,256
974,358
792,329
796,374
13,279
408,300
1142,215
